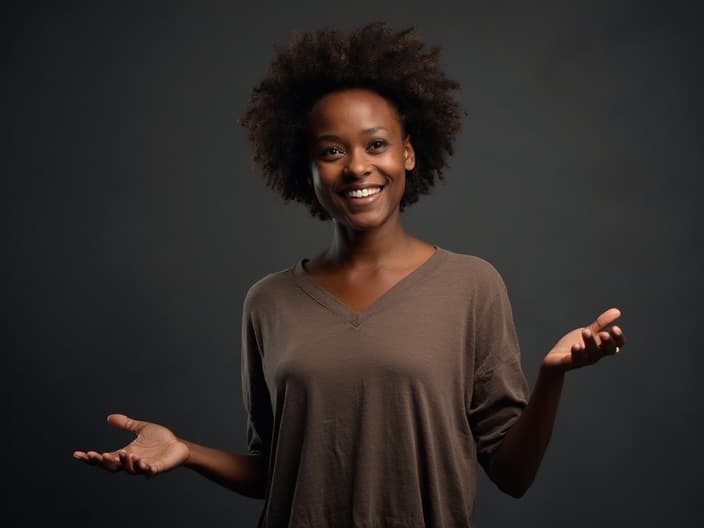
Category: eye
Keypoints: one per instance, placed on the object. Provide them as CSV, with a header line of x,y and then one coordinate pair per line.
x,y
377,145
332,152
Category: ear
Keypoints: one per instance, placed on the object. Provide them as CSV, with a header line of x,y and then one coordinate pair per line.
x,y
409,155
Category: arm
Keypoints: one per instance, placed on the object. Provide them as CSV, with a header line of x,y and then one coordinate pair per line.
x,y
156,450
245,474
515,462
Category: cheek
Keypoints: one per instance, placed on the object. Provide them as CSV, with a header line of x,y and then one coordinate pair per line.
x,y
320,176
395,168
401,185
322,180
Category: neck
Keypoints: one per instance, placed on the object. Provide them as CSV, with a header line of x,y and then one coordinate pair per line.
x,y
369,247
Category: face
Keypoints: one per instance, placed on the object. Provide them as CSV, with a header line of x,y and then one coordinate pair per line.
x,y
359,157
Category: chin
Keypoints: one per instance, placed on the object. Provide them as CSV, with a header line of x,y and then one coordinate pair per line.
x,y
363,222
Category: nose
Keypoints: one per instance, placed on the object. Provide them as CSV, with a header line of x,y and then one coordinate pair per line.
x,y
358,164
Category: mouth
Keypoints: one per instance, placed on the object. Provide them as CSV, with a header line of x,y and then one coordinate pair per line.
x,y
362,194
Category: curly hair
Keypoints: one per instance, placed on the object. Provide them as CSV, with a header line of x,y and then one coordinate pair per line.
x,y
396,65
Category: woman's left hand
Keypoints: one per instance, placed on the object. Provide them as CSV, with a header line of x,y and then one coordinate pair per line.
x,y
587,345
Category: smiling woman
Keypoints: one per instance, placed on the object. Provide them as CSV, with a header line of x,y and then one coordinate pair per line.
x,y
397,66
380,373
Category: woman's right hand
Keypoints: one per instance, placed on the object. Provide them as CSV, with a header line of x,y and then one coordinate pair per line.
x,y
155,449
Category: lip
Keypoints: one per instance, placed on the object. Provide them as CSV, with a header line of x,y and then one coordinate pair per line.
x,y
363,201
348,188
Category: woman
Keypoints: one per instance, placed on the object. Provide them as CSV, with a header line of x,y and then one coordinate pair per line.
x,y
377,374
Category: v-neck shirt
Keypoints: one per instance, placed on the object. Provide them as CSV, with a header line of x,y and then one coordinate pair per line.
x,y
378,418
357,317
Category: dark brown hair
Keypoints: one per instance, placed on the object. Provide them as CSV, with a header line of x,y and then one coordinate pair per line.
x,y
396,65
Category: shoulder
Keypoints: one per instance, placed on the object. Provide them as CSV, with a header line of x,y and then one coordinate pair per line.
x,y
471,271
269,288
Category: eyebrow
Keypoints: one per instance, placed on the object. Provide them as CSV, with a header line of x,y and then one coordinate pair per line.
x,y
366,131
373,130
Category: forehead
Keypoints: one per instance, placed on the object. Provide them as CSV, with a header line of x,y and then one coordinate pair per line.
x,y
352,110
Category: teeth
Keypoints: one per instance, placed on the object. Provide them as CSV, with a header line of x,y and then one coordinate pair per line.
x,y
361,193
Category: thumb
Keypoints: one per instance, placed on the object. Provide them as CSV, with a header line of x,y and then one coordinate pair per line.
x,y
604,320
124,422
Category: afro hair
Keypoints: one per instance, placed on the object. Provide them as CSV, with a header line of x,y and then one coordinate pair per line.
x,y
395,64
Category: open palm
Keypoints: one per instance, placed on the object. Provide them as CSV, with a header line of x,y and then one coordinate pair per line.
x,y
587,345
154,450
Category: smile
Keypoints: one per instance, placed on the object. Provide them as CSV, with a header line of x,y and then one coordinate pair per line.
x,y
362,193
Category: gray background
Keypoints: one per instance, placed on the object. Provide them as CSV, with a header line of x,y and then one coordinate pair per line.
x,y
134,224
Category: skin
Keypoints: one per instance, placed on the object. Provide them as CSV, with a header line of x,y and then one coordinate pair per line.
x,y
356,139
155,450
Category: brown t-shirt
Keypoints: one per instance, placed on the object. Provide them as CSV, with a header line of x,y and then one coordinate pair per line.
x,y
378,418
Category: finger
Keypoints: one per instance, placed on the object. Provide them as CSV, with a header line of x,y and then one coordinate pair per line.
x,y
111,462
137,464
590,341
587,352
582,355
126,462
84,457
605,319
125,422
608,345
148,470
144,468
579,355
80,455
94,457
618,337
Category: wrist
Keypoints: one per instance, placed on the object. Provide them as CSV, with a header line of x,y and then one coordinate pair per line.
x,y
189,461
551,373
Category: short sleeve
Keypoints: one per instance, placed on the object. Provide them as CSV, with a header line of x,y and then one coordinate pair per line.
x,y
500,390
255,394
